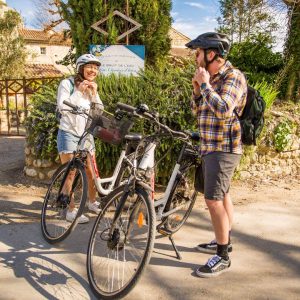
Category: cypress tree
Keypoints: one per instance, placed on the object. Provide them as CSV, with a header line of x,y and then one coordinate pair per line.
x,y
13,52
153,15
292,54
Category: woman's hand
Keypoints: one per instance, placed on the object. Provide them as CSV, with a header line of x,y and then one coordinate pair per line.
x,y
83,86
93,86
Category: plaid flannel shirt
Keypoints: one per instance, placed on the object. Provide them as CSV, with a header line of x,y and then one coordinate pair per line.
x,y
218,125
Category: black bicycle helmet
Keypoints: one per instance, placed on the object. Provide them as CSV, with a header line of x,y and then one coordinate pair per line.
x,y
211,40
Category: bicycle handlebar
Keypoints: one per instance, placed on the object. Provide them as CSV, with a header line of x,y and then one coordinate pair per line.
x,y
76,109
70,104
143,112
126,107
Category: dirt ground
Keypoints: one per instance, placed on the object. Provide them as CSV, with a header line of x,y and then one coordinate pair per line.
x,y
266,256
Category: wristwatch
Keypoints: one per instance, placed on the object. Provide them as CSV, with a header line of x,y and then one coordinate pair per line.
x,y
203,86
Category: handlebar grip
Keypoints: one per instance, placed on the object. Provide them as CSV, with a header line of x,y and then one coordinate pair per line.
x,y
70,104
126,107
180,134
195,136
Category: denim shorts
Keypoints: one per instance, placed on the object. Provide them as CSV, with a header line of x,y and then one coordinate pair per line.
x,y
66,142
218,169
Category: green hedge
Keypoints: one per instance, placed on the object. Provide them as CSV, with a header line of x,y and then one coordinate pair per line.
x,y
166,91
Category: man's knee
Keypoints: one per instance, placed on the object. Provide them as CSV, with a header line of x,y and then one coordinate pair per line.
x,y
214,204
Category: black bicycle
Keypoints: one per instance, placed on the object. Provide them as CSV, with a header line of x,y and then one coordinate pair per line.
x,y
122,238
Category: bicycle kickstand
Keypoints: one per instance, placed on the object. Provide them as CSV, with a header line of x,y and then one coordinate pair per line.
x,y
169,234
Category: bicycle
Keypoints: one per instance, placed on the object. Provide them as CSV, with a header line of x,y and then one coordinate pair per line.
x,y
121,240
109,129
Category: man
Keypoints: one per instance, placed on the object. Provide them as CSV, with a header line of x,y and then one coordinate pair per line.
x,y
219,94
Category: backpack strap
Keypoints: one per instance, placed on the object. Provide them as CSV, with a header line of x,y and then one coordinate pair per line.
x,y
71,80
235,112
57,112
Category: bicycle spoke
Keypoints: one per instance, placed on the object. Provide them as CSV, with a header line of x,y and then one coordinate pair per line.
x,y
118,252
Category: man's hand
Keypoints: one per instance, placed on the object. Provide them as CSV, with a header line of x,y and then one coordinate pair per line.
x,y
201,76
196,86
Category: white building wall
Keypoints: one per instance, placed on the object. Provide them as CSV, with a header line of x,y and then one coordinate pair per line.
x,y
53,54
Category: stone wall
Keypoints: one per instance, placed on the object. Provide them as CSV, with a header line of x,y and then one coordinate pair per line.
x,y
35,167
266,163
262,163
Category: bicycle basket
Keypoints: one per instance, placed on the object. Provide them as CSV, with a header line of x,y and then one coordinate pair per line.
x,y
107,128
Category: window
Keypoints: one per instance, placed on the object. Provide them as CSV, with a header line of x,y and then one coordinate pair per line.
x,y
43,50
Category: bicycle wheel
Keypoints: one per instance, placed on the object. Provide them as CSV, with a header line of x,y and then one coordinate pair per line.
x,y
182,199
55,227
117,256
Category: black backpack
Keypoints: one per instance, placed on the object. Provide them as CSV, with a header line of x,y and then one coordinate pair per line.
x,y
252,119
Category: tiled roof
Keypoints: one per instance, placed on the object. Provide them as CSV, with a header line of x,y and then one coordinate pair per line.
x,y
173,33
47,37
41,70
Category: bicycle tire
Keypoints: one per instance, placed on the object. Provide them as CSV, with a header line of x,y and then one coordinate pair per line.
x,y
182,190
54,225
111,253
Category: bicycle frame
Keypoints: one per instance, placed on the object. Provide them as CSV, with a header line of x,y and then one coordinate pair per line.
x,y
147,163
111,180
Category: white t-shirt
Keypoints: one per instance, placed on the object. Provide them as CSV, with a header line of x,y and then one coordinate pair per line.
x,y
74,124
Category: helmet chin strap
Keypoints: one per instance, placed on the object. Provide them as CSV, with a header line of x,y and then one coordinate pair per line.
x,y
206,61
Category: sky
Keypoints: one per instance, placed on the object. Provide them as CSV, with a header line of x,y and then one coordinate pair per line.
x,y
189,17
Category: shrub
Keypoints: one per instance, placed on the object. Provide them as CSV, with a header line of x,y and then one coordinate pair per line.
x,y
283,135
267,91
41,124
256,59
166,90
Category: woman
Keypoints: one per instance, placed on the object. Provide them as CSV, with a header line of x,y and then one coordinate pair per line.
x,y
80,90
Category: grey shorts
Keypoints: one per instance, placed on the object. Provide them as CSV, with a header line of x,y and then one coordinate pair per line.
x,y
218,169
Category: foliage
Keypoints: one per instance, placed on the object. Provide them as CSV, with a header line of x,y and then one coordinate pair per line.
x,y
13,53
41,124
267,91
241,19
290,80
283,135
153,15
255,58
166,90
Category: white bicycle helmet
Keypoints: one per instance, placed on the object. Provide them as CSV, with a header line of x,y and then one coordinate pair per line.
x,y
86,59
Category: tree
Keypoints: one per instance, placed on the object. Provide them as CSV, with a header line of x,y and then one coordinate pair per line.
x,y
153,15
290,77
256,59
241,19
13,53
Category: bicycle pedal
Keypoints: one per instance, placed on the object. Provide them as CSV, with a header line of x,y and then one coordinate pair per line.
x,y
164,231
